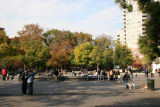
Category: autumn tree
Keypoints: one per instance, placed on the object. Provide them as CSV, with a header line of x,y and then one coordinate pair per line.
x,y
82,37
61,47
137,63
31,30
33,44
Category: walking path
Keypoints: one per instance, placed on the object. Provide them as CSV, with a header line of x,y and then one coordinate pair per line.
x,y
79,93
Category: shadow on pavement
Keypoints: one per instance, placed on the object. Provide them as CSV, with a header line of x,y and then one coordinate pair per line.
x,y
144,102
52,93
69,93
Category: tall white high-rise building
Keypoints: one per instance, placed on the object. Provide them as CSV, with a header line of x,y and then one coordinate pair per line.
x,y
133,26
121,36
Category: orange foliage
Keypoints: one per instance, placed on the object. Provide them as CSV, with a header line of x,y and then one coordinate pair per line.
x,y
61,48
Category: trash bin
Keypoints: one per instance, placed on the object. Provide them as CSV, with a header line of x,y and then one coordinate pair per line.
x,y
150,83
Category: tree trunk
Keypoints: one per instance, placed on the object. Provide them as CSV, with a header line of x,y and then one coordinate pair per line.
x,y
24,67
97,67
61,71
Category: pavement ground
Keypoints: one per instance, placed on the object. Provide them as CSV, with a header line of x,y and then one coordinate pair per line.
x,y
80,94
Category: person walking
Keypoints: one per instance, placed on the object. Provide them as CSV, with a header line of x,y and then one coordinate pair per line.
x,y
126,79
86,74
20,74
56,73
114,76
30,80
103,74
24,82
99,74
110,75
136,73
4,73
131,73
119,76
145,72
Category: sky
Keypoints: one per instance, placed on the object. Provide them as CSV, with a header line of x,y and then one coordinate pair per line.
x,y
90,16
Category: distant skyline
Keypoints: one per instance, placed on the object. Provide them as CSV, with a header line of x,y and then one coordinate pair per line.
x,y
90,16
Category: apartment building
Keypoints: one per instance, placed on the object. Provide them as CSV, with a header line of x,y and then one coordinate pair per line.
x,y
121,36
133,27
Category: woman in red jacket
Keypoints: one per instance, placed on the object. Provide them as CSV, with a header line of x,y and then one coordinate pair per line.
x,y
4,73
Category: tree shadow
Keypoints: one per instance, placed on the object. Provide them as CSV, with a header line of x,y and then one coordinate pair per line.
x,y
54,93
66,92
144,102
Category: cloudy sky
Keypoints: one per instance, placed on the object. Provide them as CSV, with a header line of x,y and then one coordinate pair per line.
x,y
91,16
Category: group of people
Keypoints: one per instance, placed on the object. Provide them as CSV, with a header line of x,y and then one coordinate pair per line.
x,y
158,71
27,78
27,81
101,74
153,73
114,75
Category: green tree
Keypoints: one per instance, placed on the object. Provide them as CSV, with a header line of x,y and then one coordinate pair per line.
x,y
123,56
82,52
108,59
145,45
102,53
36,53
82,37
152,31
3,44
50,34
14,47
14,52
34,47
6,62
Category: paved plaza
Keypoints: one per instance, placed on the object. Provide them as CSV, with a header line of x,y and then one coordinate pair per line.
x,y
80,94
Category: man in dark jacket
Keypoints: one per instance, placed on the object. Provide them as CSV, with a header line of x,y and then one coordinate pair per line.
x,y
99,74
126,79
103,74
24,82
20,74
